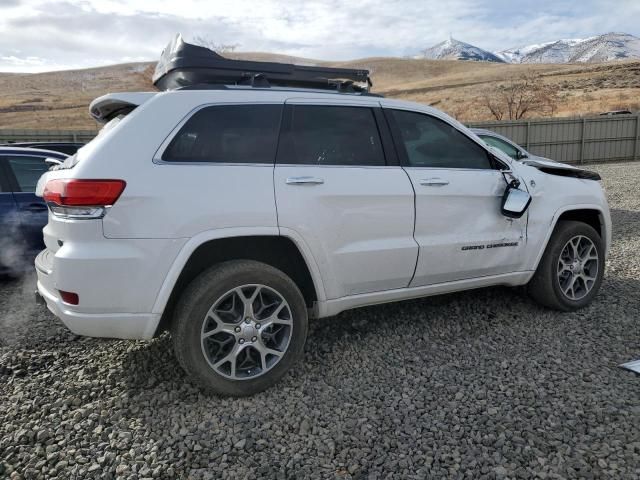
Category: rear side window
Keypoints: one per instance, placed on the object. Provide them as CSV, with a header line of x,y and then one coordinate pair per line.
x,y
228,134
430,142
330,135
27,171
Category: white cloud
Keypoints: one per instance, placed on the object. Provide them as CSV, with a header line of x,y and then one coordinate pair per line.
x,y
61,33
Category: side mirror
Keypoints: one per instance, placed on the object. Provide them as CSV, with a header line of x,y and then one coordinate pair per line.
x,y
520,155
515,201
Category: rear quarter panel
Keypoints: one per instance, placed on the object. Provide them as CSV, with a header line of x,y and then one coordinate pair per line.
x,y
176,200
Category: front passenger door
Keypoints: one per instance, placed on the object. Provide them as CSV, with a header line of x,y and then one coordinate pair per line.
x,y
459,226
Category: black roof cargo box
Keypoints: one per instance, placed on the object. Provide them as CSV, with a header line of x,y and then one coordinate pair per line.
x,y
183,65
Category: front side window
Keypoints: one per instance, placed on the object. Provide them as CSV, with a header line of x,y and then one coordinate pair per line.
x,y
430,142
501,145
331,135
27,171
228,134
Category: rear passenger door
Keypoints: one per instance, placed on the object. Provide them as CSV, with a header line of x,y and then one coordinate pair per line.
x,y
339,188
32,210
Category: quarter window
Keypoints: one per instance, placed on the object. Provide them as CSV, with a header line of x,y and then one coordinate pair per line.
x,y
228,134
430,142
331,135
27,171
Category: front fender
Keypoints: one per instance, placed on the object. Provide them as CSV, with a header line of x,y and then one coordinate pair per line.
x,y
605,220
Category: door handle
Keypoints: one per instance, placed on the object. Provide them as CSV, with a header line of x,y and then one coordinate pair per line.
x,y
434,182
304,181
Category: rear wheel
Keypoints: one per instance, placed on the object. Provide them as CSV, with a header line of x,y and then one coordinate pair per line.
x,y
239,327
571,270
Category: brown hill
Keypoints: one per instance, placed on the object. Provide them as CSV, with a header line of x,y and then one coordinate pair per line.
x,y
59,100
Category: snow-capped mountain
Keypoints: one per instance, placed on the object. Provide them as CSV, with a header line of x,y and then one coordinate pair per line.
x,y
601,48
453,49
550,52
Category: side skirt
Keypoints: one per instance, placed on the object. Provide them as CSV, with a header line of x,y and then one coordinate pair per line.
x,y
329,308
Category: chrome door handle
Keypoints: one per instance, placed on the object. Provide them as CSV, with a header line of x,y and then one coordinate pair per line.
x,y
304,181
434,182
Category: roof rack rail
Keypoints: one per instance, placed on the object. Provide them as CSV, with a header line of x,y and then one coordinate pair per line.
x,y
185,65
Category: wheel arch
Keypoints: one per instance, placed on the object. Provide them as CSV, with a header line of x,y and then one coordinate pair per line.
x,y
264,245
591,214
591,217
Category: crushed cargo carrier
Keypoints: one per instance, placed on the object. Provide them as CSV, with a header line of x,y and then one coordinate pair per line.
x,y
186,66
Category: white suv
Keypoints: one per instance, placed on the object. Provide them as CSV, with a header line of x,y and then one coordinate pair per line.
x,y
229,216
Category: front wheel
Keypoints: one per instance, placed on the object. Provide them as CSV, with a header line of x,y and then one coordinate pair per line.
x,y
239,327
571,270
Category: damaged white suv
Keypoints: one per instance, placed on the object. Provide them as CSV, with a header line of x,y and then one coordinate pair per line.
x,y
229,215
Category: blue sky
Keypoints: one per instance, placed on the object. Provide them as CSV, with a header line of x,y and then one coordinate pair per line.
x,y
40,35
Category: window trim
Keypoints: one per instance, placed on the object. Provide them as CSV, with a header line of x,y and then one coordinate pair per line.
x,y
389,153
12,183
496,164
157,156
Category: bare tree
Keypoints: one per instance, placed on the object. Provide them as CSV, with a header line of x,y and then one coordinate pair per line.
x,y
215,46
549,98
495,106
458,111
522,96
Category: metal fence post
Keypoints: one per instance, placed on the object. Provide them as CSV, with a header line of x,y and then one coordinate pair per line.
x,y
528,135
584,127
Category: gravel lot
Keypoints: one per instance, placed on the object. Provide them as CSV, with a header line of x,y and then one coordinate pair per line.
x,y
481,384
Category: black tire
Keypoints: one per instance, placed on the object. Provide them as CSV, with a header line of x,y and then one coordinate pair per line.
x,y
202,293
545,287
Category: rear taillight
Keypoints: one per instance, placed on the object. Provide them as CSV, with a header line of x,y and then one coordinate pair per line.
x,y
76,198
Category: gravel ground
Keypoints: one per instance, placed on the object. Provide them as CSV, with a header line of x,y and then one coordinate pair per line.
x,y
481,384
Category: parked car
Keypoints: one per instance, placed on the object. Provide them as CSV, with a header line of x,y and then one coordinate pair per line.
x,y
237,204
507,145
68,148
22,213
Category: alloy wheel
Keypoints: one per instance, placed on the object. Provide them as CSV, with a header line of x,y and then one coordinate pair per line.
x,y
578,267
246,332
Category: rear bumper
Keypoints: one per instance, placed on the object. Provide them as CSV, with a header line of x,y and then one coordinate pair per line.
x,y
83,319
135,326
